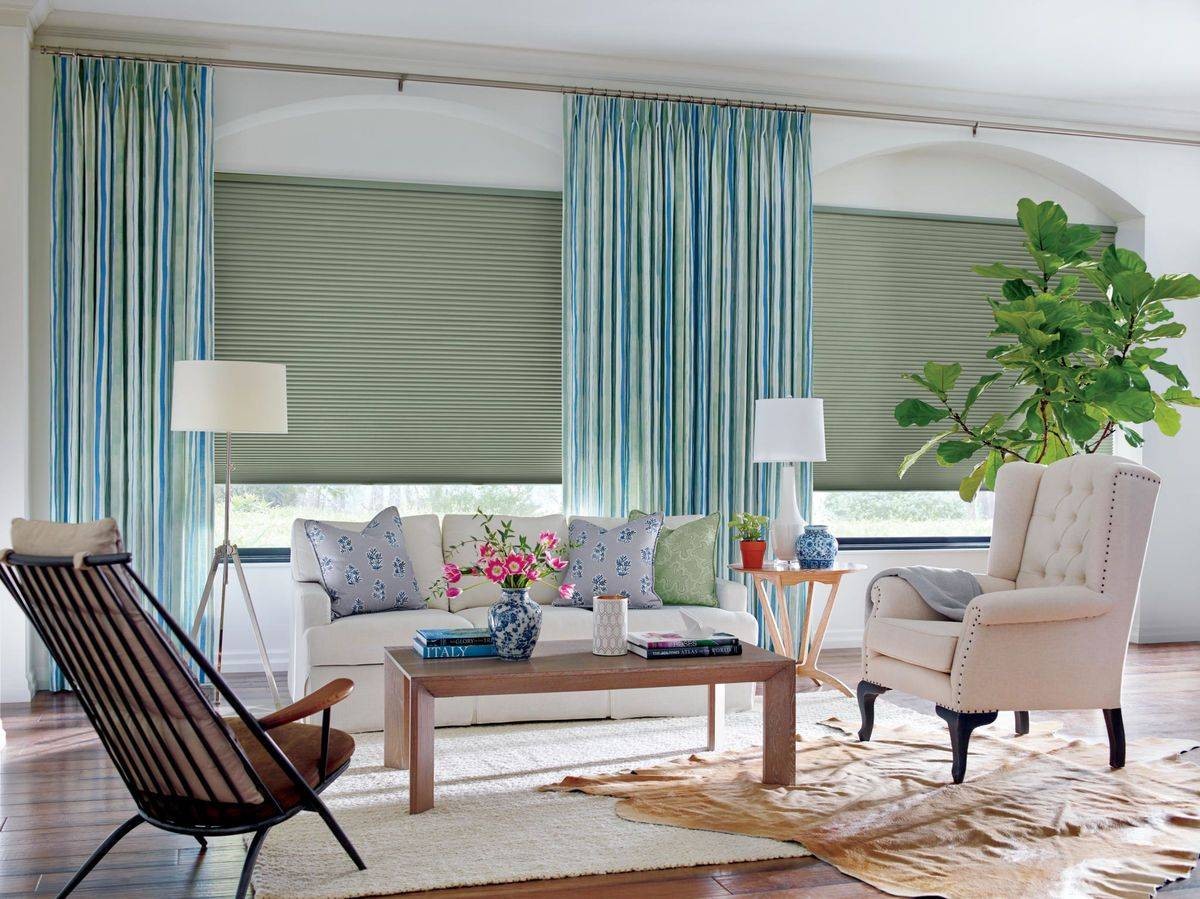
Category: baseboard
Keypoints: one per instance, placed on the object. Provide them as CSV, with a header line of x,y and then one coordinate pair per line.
x,y
843,638
1167,635
241,662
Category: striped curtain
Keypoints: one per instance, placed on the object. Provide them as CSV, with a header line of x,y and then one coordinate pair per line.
x,y
686,274
132,291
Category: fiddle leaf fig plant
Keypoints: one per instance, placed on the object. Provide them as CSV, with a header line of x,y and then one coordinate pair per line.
x,y
1081,365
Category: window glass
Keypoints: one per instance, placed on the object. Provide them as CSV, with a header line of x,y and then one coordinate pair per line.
x,y
903,513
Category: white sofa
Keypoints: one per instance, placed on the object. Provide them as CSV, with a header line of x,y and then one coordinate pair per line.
x,y
352,647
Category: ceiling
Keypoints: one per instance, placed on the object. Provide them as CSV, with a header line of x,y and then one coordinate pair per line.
x,y
1081,60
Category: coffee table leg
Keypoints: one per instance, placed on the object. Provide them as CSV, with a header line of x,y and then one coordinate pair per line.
x,y
716,715
420,749
395,716
779,728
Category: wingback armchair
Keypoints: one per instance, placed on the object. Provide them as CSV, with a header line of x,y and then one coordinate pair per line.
x,y
1051,628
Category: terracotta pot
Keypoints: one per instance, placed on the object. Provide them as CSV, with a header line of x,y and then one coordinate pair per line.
x,y
753,552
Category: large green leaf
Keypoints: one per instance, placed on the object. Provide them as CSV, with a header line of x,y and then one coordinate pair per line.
x,y
1175,287
1078,424
1133,286
1166,416
1006,272
1118,259
980,386
950,452
942,377
969,485
1181,396
1107,384
1172,329
1131,405
912,457
1043,223
918,412
1016,289
1172,373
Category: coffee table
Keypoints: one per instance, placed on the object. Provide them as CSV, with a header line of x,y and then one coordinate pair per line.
x,y
411,684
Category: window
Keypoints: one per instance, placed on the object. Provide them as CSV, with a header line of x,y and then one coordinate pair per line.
x,y
890,292
263,513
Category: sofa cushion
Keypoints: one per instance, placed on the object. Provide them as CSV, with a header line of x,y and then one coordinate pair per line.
x,y
458,534
685,562
368,571
616,560
422,536
360,639
930,644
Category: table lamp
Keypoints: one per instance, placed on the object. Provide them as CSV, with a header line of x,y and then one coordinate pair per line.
x,y
788,430
234,398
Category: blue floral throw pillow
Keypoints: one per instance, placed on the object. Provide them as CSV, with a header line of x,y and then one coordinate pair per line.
x,y
367,571
619,560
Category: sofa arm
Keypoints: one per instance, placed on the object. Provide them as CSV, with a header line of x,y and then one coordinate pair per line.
x,y
312,606
1037,604
731,595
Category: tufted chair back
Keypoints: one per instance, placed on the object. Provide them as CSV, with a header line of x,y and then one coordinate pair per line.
x,y
1082,521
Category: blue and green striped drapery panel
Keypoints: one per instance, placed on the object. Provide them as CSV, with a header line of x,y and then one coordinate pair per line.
x,y
132,291
687,282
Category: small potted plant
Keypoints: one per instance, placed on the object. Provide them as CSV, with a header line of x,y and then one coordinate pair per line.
x,y
751,531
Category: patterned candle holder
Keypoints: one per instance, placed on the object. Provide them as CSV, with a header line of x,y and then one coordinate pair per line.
x,y
610,625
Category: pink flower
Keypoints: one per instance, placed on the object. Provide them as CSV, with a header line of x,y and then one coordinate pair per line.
x,y
531,575
566,591
452,573
548,538
485,550
494,571
452,592
557,563
514,564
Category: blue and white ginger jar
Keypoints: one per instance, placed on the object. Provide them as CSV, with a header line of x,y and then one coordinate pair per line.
x,y
515,621
816,547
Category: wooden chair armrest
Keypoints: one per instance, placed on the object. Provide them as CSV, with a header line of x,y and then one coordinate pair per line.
x,y
329,695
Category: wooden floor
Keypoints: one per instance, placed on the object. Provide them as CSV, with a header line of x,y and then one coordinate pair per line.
x,y
59,797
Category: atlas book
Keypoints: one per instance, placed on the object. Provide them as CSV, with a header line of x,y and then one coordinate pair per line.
x,y
687,652
675,640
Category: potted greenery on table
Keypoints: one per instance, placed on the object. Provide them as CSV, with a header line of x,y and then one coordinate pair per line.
x,y
751,531
1081,365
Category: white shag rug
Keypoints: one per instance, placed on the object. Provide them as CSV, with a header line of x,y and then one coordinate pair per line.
x,y
491,824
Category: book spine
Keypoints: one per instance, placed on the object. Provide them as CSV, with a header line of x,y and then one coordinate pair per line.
x,y
453,641
689,652
454,652
683,644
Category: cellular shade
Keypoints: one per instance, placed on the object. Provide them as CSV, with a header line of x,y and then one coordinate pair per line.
x,y
420,326
890,293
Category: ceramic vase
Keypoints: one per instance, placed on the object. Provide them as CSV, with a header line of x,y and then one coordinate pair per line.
x,y
610,625
816,547
515,621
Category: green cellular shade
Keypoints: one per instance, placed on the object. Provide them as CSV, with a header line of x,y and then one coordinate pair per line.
x,y
421,326
890,293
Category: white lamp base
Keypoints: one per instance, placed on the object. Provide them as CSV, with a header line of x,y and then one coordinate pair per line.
x,y
787,524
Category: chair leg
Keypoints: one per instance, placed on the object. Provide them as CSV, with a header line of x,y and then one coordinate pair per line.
x,y
1116,737
867,693
101,851
251,857
327,816
202,841
1022,726
961,724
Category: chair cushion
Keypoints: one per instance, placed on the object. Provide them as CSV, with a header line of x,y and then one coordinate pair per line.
x,y
360,639
301,743
56,538
930,644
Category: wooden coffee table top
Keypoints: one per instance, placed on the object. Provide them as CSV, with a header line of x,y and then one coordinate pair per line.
x,y
559,665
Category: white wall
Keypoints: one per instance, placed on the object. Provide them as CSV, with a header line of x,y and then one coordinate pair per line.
x,y
352,128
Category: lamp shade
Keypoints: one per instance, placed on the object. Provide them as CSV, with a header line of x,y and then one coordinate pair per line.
x,y
789,430
226,396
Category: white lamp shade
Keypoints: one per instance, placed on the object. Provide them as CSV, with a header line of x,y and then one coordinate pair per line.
x,y
789,430
233,397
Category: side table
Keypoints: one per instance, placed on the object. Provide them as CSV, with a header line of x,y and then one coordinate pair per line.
x,y
779,624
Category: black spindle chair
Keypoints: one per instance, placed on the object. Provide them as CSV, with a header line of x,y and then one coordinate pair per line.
x,y
189,770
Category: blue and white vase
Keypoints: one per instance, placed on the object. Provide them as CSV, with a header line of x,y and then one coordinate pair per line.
x,y
515,621
816,547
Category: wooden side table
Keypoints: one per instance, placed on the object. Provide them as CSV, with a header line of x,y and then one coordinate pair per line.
x,y
779,624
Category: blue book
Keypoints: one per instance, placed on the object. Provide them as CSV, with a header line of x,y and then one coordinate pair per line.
x,y
454,652
454,636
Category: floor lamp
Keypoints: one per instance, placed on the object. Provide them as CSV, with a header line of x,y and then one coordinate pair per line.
x,y
234,398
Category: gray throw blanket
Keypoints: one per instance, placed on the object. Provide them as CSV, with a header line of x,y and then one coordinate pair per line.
x,y
947,591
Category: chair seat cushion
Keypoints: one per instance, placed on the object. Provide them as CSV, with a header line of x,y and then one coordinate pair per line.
x,y
929,644
360,639
301,743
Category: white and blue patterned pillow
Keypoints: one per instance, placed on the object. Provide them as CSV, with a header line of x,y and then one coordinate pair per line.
x,y
367,571
619,560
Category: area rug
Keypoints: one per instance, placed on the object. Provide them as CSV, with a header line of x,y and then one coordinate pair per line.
x,y
491,824
1039,815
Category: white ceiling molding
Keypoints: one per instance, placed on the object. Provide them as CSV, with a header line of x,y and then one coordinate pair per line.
x,y
27,14
162,36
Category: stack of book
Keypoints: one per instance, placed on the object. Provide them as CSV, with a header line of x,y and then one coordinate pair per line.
x,y
671,645
453,643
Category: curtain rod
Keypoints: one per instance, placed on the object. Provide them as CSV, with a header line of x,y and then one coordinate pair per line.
x,y
400,78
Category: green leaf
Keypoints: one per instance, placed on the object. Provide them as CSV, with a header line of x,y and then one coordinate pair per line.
x,y
1078,424
1166,416
1174,329
992,465
1172,373
995,422
942,377
950,452
1043,223
1181,396
918,412
1131,405
1117,259
1131,436
1133,286
917,379
969,485
1108,383
911,458
1016,289
1175,287
1095,276
1006,272
980,386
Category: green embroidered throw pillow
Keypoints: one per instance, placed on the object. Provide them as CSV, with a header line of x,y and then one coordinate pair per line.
x,y
685,562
